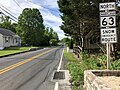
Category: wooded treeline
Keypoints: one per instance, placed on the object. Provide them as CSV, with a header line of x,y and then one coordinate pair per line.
x,y
81,21
31,29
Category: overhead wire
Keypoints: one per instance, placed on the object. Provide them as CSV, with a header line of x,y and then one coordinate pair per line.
x,y
15,19
17,4
8,13
7,9
43,6
10,17
21,8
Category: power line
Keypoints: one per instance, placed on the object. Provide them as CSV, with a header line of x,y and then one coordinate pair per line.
x,y
15,19
17,3
6,8
8,13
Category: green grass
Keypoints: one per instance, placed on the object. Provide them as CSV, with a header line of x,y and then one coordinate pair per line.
x,y
88,62
13,50
75,70
69,56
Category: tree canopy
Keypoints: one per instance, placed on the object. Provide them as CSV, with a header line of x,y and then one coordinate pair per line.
x,y
30,27
50,37
6,23
77,14
79,17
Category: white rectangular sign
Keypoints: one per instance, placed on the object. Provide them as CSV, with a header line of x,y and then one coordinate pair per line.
x,y
108,21
107,6
108,35
110,13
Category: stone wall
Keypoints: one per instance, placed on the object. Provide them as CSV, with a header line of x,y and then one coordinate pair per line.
x,y
91,82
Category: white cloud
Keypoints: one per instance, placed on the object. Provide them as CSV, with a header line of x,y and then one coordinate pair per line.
x,y
48,3
45,6
50,17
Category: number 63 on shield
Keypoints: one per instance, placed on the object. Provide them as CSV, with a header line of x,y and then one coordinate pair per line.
x,y
109,21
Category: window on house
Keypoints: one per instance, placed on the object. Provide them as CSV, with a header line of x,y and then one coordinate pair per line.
x,y
9,39
13,40
16,40
6,39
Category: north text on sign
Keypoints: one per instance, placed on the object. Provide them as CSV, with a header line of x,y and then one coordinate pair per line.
x,y
107,6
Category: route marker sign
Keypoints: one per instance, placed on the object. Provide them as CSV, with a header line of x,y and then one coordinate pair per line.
x,y
108,26
108,21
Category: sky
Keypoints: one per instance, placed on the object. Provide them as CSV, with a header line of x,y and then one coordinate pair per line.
x,y
48,9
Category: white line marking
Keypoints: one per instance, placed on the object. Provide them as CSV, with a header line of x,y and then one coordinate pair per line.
x,y
60,63
56,86
58,69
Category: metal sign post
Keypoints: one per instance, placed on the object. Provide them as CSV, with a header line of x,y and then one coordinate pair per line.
x,y
108,26
108,56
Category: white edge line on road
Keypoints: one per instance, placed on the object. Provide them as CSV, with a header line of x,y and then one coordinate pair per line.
x,y
60,63
58,69
56,86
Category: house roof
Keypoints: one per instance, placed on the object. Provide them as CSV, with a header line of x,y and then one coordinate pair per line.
x,y
7,32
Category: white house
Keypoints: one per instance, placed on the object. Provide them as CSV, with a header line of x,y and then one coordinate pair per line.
x,y
8,38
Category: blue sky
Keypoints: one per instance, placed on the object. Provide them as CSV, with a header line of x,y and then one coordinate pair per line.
x,y
48,9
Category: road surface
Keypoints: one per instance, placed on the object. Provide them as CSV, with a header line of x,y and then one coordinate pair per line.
x,y
30,71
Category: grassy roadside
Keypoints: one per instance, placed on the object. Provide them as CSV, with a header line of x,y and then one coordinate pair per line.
x,y
76,71
89,62
13,50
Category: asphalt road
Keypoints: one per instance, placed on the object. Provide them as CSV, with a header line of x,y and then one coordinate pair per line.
x,y
30,71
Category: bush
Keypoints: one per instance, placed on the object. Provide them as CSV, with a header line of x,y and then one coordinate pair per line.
x,y
53,42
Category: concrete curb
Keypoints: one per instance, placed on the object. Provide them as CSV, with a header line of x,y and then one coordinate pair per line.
x,y
32,49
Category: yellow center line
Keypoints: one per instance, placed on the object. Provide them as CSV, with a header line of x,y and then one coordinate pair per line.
x,y
21,63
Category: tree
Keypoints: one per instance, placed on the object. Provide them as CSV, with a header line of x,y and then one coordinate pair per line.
x,y
50,37
66,41
6,23
30,27
79,18
53,42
